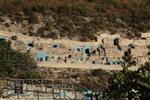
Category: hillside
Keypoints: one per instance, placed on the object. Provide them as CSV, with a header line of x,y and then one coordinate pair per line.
x,y
75,19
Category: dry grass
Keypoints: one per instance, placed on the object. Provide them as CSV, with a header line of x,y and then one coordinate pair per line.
x,y
30,3
133,12
19,5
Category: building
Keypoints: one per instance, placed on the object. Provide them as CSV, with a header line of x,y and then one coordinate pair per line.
x,y
2,38
42,56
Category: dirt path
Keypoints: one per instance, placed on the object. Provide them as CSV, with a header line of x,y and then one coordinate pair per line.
x,y
83,66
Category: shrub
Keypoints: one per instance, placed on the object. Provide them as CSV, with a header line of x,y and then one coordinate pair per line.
x,y
17,2
148,46
149,53
101,8
99,72
63,10
13,63
33,75
81,9
107,2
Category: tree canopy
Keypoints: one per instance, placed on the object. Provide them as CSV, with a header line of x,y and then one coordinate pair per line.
x,y
130,84
14,64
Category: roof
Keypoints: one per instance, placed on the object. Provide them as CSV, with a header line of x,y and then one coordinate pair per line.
x,y
42,54
2,37
29,42
109,36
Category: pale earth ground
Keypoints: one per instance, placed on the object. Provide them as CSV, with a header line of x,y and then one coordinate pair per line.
x,y
70,43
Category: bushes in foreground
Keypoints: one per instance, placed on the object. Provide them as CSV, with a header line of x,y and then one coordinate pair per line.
x,y
14,64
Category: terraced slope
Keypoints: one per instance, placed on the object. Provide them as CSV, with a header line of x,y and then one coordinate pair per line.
x,y
47,42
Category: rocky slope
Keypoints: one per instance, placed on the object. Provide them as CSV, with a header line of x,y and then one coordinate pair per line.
x,y
78,20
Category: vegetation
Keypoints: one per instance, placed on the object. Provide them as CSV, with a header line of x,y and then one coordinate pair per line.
x,y
99,73
130,84
110,15
97,80
14,64
143,81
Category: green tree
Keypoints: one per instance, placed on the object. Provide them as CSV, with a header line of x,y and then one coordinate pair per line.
x,y
122,82
64,10
143,81
81,9
16,2
130,84
13,63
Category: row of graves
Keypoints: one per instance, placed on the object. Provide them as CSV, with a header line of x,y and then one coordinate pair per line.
x,y
116,47
109,50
